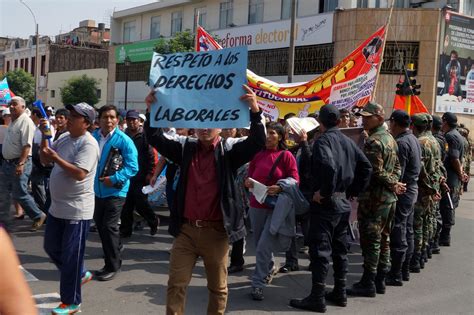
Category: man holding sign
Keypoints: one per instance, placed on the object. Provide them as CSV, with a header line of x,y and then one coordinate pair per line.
x,y
205,217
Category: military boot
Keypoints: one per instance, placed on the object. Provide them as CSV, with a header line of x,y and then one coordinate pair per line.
x,y
365,287
429,247
315,302
406,271
338,295
435,245
415,263
445,237
422,259
394,279
380,280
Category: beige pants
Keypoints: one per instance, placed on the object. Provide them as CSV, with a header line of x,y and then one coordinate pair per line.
x,y
211,243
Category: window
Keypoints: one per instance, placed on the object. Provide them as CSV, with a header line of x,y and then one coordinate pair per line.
x,y
327,5
308,60
155,27
16,64
8,66
129,31
33,65
176,22
53,93
99,93
469,7
202,16
399,54
22,63
401,4
285,9
363,3
43,65
226,13
27,64
255,11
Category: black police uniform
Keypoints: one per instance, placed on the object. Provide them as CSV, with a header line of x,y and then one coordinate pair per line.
x,y
401,237
339,169
455,151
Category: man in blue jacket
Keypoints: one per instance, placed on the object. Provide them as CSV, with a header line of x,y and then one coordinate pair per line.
x,y
117,164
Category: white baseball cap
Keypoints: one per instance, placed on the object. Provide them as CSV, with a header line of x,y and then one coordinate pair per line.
x,y
142,116
6,111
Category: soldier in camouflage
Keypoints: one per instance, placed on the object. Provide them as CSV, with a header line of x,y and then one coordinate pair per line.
x,y
440,178
428,187
467,156
437,224
377,204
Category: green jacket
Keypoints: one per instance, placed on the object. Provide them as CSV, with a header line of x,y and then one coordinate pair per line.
x,y
381,150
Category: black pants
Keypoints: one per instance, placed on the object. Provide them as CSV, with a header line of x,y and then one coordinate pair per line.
x,y
328,238
398,237
292,253
138,201
106,216
237,253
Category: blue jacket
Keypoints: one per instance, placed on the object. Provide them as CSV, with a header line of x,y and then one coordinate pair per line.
x,y
129,153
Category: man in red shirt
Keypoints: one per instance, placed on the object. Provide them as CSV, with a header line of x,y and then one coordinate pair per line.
x,y
206,215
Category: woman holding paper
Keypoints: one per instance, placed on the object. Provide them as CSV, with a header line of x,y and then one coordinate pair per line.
x,y
269,166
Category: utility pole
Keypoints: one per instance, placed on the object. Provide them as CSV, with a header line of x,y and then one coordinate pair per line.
x,y
291,50
37,50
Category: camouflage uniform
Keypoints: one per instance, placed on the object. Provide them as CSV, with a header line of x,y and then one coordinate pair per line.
x,y
377,204
428,186
466,156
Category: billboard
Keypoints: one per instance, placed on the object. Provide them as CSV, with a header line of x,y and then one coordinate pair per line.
x,y
312,30
455,87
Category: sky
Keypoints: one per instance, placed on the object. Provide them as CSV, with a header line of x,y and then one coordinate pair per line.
x,y
56,16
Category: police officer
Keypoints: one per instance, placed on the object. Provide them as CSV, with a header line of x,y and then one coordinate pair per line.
x,y
409,155
340,171
377,204
456,175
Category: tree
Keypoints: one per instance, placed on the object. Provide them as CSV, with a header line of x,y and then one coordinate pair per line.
x,y
80,89
181,42
22,84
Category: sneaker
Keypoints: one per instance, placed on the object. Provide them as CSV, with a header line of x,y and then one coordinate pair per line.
x,y
66,309
86,277
271,274
38,223
257,294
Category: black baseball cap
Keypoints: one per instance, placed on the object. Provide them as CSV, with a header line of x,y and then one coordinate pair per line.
x,y
400,117
450,118
328,115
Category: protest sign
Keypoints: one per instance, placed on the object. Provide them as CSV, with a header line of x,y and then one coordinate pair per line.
x,y
5,93
200,90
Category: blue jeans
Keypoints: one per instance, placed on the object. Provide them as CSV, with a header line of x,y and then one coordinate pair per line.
x,y
15,187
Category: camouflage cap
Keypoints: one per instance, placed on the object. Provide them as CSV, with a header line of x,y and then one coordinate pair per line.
x,y
429,117
437,121
371,109
419,120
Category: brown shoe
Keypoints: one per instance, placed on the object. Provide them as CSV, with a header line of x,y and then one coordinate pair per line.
x,y
38,223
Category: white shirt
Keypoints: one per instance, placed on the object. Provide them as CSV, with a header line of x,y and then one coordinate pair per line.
x,y
104,139
19,134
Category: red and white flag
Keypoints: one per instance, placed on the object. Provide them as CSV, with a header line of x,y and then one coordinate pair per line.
x,y
205,42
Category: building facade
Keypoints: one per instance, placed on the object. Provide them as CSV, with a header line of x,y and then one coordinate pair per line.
x,y
327,31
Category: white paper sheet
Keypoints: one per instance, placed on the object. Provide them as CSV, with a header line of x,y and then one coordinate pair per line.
x,y
259,190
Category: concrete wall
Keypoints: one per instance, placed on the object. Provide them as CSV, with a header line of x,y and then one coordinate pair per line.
x,y
56,80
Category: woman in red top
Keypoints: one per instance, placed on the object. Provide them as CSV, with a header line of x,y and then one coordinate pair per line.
x,y
260,214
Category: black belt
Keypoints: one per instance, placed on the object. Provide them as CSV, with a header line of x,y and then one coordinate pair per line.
x,y
11,160
203,223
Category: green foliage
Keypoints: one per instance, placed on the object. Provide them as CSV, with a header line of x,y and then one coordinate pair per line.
x,y
80,89
181,42
22,84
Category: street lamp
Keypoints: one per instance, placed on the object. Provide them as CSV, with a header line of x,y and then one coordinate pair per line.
x,y
127,65
37,48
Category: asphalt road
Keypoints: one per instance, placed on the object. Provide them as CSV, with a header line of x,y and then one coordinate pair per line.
x,y
445,286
